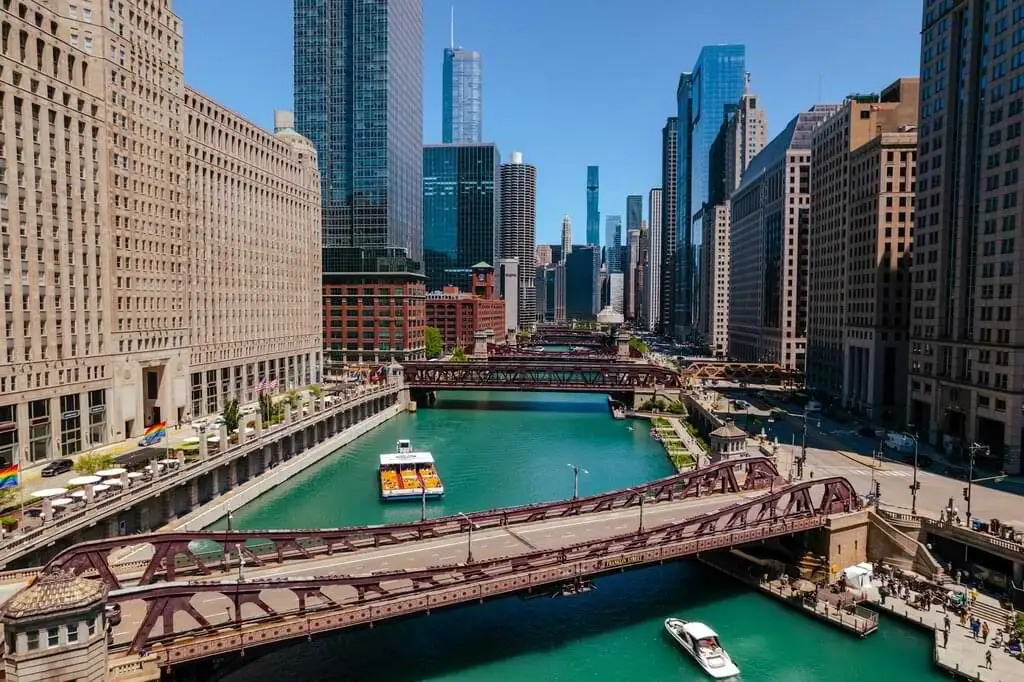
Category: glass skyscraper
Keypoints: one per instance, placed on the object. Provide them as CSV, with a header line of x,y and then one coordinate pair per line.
x,y
703,97
462,114
358,98
461,211
593,211
613,243
634,212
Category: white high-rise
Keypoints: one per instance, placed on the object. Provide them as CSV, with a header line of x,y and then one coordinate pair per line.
x,y
566,237
651,305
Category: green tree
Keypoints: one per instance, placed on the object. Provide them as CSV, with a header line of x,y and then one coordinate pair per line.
x,y
316,390
435,345
232,415
638,345
293,398
459,355
266,408
86,465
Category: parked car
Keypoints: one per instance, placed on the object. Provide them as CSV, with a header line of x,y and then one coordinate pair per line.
x,y
113,613
58,467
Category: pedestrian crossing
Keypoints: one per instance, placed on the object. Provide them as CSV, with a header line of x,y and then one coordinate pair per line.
x,y
858,472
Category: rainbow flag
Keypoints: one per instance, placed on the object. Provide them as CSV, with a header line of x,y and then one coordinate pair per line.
x,y
154,434
9,477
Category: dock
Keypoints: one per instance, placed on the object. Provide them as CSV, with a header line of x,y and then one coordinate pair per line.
x,y
821,605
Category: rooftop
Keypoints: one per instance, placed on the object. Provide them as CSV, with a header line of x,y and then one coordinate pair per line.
x,y
53,593
729,430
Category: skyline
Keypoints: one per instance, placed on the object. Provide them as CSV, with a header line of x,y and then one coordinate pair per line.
x,y
620,134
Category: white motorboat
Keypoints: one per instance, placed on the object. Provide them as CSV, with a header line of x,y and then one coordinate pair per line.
x,y
701,642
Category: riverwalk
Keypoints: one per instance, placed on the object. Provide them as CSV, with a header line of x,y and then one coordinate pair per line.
x,y
962,655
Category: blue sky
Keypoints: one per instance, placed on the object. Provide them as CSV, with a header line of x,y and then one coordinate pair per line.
x,y
576,82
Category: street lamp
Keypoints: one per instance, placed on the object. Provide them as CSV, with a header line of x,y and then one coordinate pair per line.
x,y
469,541
576,469
971,480
241,562
643,499
915,485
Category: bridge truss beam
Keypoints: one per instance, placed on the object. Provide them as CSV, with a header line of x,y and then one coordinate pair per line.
x,y
172,553
770,515
550,376
746,372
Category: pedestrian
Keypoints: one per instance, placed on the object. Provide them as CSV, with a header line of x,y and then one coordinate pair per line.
x,y
988,659
974,595
945,639
984,632
963,618
945,622
882,594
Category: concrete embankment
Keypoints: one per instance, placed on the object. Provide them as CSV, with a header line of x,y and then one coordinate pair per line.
x,y
219,507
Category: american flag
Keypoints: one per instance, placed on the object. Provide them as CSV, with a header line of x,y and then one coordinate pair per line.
x,y
261,386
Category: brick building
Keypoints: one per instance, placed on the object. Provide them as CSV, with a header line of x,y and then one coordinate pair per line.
x,y
459,315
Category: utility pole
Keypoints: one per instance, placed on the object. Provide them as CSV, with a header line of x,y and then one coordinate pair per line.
x,y
969,490
576,469
803,449
915,486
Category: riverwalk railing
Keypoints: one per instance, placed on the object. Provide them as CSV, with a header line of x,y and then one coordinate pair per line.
x,y
27,540
967,534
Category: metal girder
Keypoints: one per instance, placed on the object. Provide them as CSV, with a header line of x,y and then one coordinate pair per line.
x,y
279,545
771,516
748,372
529,353
601,377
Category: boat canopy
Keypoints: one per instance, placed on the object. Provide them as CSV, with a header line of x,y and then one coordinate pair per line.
x,y
699,631
400,458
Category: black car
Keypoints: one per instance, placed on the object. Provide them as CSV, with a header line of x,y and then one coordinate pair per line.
x,y
57,467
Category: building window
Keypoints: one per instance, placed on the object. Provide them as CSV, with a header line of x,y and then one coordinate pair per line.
x,y
70,425
92,627
97,417
32,640
8,435
52,637
39,430
197,394
72,633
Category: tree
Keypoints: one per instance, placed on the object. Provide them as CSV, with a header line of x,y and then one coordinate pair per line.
x,y
232,415
639,346
293,398
316,390
86,465
435,344
266,408
459,355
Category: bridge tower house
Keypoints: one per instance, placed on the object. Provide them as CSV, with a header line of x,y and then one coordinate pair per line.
x,y
55,629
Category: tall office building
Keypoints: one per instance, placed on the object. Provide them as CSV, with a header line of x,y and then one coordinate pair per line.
x,y
560,287
128,299
768,275
508,289
593,209
544,255
743,135
462,95
849,333
669,225
461,212
581,294
630,271
368,134
634,211
703,98
566,237
519,230
967,324
651,307
613,243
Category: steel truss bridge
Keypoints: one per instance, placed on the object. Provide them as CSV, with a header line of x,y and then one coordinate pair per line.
x,y
575,377
172,552
313,605
528,353
744,372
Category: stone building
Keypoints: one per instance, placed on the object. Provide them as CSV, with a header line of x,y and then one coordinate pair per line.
x,y
152,241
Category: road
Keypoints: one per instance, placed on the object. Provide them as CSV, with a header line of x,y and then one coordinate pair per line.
x,y
487,544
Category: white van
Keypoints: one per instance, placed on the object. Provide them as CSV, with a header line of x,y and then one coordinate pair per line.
x,y
900,442
813,406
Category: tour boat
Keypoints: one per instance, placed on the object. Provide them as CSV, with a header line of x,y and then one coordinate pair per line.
x,y
701,642
408,474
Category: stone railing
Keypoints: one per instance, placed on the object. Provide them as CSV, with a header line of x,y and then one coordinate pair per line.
x,y
970,535
23,542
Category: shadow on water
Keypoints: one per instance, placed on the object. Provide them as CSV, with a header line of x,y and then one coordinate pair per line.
x,y
463,638
520,406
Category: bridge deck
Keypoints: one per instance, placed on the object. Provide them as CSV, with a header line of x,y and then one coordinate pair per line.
x,y
486,544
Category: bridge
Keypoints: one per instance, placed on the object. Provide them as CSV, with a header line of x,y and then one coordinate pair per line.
x,y
541,375
180,607
567,336
742,372
528,353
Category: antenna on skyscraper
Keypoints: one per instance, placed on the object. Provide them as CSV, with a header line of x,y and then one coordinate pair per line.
x,y
453,27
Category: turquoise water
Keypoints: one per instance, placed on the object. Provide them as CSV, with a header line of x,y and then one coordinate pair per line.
x,y
499,449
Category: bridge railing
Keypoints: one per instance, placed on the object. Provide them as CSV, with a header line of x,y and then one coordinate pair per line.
x,y
27,540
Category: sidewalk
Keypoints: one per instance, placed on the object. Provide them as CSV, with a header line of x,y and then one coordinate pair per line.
x,y
963,654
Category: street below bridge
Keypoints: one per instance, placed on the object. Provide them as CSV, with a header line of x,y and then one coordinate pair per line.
x,y
488,544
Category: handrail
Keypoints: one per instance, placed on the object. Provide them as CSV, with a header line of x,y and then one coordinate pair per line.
x,y
148,489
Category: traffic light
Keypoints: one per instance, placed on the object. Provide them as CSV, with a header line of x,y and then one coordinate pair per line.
x,y
878,489
915,486
967,493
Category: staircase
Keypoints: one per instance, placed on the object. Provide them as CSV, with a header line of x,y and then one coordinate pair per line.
x,y
996,615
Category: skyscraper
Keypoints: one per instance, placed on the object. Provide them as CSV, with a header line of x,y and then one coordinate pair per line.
x,y
368,136
462,96
581,293
703,98
630,266
634,212
593,210
613,243
461,211
519,231
669,206
566,237
651,308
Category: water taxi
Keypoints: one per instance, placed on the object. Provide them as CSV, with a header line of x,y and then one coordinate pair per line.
x,y
701,642
407,474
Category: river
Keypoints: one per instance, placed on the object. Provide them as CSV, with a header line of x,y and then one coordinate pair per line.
x,y
499,449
